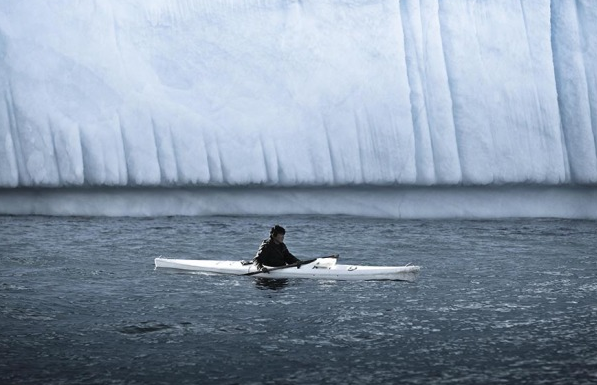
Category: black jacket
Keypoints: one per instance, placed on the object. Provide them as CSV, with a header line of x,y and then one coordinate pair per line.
x,y
273,254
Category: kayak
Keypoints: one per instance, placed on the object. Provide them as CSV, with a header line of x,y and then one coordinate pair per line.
x,y
320,268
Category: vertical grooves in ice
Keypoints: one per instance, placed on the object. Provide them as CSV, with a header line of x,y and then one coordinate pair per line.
x,y
413,92
571,81
55,154
9,173
158,153
450,120
16,140
413,42
586,14
333,162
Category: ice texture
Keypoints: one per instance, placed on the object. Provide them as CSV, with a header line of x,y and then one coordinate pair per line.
x,y
183,93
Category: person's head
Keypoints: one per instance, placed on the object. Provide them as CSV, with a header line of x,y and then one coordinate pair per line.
x,y
277,233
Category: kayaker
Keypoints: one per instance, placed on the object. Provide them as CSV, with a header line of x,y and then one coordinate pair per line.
x,y
273,252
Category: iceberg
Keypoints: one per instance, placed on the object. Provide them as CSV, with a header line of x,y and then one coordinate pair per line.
x,y
396,202
299,98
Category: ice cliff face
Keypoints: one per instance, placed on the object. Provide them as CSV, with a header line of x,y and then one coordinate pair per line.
x,y
288,93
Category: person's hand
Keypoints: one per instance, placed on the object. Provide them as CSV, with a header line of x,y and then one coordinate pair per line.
x,y
264,270
299,264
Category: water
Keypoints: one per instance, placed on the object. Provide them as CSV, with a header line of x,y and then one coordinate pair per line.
x,y
508,301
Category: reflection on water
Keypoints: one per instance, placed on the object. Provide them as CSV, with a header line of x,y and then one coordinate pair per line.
x,y
271,283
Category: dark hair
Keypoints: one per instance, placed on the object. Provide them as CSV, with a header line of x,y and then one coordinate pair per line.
x,y
277,229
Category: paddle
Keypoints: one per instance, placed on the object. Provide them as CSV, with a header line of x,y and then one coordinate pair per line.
x,y
296,264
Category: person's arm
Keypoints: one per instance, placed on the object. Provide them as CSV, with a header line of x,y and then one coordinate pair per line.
x,y
288,257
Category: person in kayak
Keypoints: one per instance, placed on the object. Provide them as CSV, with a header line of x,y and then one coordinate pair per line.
x,y
273,252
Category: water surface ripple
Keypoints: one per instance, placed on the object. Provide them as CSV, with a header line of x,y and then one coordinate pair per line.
x,y
508,301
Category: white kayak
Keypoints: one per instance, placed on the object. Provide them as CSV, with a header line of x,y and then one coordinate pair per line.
x,y
320,268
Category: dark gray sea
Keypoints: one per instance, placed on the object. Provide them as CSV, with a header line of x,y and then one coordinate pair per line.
x,y
497,302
